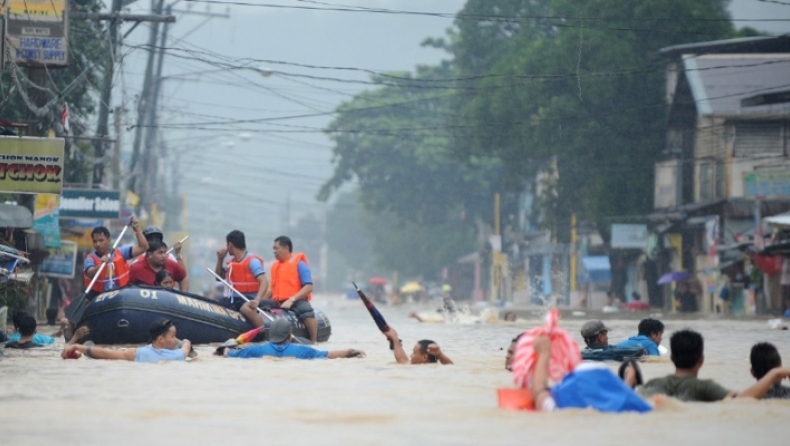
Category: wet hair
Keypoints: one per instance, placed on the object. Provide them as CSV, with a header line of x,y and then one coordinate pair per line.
x,y
649,326
686,347
517,338
161,275
236,237
27,325
764,357
424,348
159,327
100,230
286,242
17,318
155,245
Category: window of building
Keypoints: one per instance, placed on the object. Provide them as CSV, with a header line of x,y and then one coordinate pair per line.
x,y
763,138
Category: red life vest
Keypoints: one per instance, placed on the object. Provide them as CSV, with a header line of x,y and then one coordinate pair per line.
x,y
285,277
240,276
114,275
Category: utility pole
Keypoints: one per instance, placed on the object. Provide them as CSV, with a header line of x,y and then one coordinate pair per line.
x,y
146,151
106,94
152,150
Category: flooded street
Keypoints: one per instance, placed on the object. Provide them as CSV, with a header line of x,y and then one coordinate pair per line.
x,y
211,400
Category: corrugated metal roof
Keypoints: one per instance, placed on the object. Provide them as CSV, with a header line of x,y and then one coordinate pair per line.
x,y
760,44
720,81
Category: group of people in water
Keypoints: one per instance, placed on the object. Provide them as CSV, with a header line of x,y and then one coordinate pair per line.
x,y
686,353
289,286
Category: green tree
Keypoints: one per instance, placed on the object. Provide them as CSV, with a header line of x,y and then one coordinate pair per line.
x,y
393,141
583,98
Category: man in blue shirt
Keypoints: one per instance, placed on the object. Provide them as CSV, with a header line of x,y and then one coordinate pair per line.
x,y
650,333
280,346
164,346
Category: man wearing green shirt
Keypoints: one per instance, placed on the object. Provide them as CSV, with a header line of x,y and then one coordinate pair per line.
x,y
687,354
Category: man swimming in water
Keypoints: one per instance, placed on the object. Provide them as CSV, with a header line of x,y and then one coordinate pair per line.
x,y
280,346
424,351
764,358
164,347
686,348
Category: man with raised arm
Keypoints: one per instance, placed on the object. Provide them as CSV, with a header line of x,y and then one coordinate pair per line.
x,y
424,351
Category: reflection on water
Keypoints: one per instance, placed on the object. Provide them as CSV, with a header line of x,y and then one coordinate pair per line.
x,y
366,401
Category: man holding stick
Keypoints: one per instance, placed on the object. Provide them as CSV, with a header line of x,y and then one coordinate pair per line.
x,y
104,270
244,271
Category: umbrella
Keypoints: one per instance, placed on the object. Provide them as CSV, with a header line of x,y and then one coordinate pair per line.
x,y
674,276
378,281
411,287
565,353
374,312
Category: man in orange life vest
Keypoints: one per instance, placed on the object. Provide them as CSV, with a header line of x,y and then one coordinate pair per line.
x,y
116,273
291,285
245,273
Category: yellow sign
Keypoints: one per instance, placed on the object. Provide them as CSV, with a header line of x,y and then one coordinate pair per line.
x,y
38,9
31,165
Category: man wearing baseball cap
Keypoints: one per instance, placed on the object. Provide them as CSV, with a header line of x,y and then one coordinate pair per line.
x,y
595,334
280,346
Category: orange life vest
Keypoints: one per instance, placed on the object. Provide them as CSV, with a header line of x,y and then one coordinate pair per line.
x,y
240,276
114,275
285,277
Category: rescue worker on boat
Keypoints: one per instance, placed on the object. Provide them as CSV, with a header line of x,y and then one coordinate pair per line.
x,y
116,273
244,271
291,286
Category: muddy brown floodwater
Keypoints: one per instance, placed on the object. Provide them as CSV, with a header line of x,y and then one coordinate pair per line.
x,y
45,400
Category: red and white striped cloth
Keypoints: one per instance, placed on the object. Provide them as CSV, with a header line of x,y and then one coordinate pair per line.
x,y
565,353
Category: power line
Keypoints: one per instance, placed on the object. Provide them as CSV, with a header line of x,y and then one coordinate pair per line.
x,y
473,17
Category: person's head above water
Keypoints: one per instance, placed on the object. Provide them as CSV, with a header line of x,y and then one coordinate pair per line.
x,y
164,279
163,334
27,326
511,350
420,355
687,350
764,357
595,333
652,328
18,316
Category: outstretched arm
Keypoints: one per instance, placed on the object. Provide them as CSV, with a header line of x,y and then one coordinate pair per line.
x,y
397,348
100,353
759,389
349,353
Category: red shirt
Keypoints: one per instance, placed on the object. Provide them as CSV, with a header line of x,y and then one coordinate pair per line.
x,y
141,273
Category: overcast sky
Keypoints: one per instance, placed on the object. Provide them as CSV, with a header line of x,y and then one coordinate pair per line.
x,y
244,174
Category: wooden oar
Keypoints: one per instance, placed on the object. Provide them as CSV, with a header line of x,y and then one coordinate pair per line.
x,y
237,292
77,303
180,241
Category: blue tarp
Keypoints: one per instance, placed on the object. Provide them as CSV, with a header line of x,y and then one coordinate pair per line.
x,y
595,269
